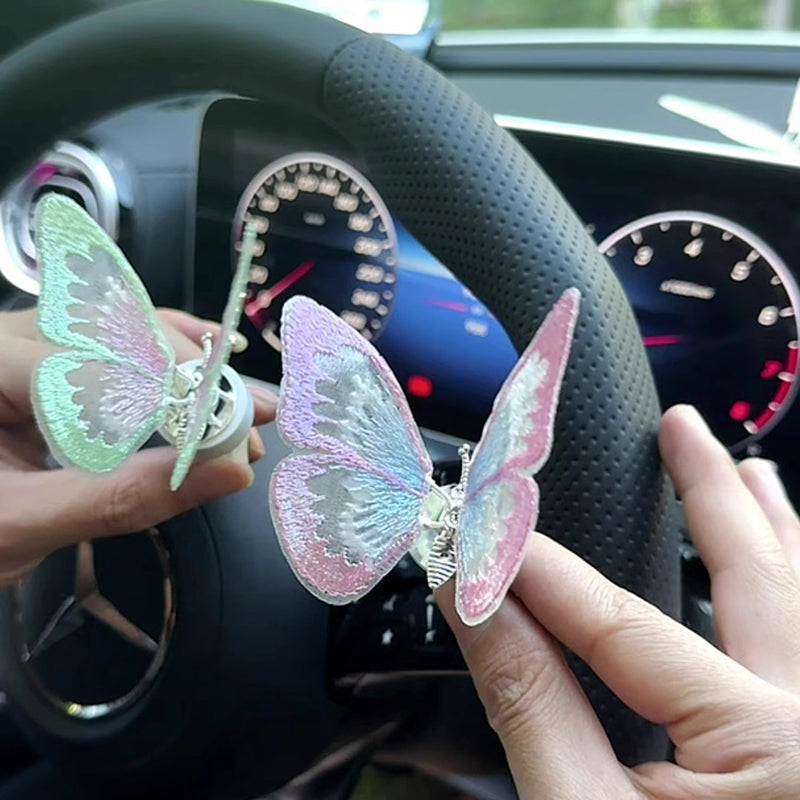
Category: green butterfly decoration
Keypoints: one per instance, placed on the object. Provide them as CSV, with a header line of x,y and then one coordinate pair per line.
x,y
116,383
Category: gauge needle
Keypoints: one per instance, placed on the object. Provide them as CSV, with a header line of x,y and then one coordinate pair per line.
x,y
461,308
661,341
264,298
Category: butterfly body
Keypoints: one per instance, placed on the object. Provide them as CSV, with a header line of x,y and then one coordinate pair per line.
x,y
357,493
115,381
435,547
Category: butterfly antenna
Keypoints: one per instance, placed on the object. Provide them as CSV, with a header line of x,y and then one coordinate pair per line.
x,y
207,341
465,453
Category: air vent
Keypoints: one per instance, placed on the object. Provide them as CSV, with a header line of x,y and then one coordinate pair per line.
x,y
68,169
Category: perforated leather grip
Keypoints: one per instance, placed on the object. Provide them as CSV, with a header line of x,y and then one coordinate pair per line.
x,y
477,200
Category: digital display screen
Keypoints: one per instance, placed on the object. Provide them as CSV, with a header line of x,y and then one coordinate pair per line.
x,y
448,352
677,227
450,355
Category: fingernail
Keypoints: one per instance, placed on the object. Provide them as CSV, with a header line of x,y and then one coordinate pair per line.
x,y
692,416
764,465
263,395
239,342
766,473
769,469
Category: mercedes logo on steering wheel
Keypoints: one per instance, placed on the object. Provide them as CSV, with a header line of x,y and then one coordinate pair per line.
x,y
112,599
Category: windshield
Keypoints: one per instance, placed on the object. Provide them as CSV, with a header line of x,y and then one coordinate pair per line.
x,y
409,16
744,15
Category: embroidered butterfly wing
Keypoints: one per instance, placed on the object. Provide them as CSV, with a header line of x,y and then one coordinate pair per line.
x,y
346,503
104,396
206,396
501,504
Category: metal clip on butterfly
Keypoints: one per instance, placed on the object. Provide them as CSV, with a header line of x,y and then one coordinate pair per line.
x,y
115,383
357,492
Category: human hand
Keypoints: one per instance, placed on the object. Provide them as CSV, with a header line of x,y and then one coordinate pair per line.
x,y
734,716
42,510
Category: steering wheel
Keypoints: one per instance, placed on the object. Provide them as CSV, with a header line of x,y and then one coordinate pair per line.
x,y
243,678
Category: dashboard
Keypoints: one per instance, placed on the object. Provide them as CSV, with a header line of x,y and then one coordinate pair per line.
x,y
704,244
702,235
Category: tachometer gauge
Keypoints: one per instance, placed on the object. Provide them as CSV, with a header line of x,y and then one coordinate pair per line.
x,y
323,231
718,313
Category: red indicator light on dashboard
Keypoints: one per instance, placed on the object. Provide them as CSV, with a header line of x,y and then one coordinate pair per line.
x,y
771,369
420,386
740,411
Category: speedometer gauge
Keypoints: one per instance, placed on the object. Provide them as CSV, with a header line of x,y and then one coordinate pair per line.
x,y
323,231
718,312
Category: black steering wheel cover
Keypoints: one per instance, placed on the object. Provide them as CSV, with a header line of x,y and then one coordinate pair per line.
x,y
462,185
155,49
477,200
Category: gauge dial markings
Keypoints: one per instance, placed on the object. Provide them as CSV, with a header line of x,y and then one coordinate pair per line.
x,y
732,303
325,225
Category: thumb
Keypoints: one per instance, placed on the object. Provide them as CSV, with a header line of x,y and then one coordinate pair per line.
x,y
536,705
42,511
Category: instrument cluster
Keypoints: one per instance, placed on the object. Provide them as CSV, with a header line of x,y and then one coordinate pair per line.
x,y
716,300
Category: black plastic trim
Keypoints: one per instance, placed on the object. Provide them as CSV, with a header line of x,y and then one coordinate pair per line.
x,y
776,60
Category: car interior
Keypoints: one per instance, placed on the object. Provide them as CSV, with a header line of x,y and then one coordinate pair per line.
x,y
436,187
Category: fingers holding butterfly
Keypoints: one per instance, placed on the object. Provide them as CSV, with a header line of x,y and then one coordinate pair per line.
x,y
103,383
21,354
184,330
535,704
23,351
657,667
